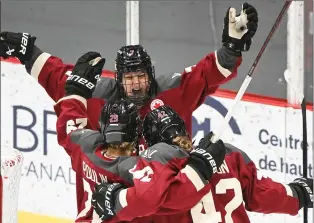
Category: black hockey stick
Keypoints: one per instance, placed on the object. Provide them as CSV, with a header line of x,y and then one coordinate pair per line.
x,y
301,100
304,149
300,97
248,77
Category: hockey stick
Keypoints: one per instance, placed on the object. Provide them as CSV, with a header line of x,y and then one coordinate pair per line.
x,y
248,77
301,100
304,148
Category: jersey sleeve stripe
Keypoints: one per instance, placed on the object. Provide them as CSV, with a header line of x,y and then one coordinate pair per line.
x,y
122,198
76,97
194,177
288,190
39,64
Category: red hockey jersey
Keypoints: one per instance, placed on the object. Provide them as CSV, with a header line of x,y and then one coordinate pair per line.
x,y
152,172
184,92
161,192
238,187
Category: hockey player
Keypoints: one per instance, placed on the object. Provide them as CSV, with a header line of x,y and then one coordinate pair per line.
x,y
237,186
104,155
134,77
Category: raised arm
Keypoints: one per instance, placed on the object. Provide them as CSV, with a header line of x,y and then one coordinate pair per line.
x,y
218,67
264,195
50,71
71,110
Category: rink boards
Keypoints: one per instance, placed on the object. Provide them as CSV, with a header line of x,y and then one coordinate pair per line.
x,y
265,128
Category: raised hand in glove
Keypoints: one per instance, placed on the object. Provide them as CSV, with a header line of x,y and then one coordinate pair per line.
x,y
103,199
239,30
304,188
18,45
207,157
85,74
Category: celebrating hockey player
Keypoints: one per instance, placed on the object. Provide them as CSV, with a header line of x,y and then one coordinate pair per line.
x,y
237,186
134,77
103,155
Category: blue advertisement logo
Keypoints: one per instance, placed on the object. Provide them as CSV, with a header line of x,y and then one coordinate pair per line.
x,y
206,126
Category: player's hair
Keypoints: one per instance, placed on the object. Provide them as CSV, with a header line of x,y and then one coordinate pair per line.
x,y
183,142
122,148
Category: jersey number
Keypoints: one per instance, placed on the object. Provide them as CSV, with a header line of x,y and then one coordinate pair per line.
x,y
88,205
208,204
79,123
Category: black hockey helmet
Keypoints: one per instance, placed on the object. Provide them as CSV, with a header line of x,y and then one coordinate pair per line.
x,y
162,124
119,122
134,58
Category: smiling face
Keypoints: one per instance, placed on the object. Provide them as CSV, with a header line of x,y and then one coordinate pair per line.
x,y
135,74
135,84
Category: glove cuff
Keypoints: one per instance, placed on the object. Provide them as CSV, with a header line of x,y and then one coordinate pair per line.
x,y
236,46
117,188
29,51
200,165
73,89
301,195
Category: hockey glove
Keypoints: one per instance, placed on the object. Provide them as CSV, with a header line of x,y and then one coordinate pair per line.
x,y
304,189
18,45
103,199
86,72
207,156
239,30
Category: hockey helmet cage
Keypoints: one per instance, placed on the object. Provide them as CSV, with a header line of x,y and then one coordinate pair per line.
x,y
162,124
119,122
133,58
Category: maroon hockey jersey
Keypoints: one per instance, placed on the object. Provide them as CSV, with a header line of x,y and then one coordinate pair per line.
x,y
238,187
184,92
152,172
159,192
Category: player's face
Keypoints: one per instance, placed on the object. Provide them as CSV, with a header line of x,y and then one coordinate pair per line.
x,y
135,83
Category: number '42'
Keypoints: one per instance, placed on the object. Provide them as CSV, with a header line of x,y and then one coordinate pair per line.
x,y
207,202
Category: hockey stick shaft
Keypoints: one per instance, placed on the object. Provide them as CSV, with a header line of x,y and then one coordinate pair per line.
x,y
270,35
304,151
248,78
301,100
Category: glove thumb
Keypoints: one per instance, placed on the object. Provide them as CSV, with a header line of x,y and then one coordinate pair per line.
x,y
33,38
98,64
209,136
232,15
98,61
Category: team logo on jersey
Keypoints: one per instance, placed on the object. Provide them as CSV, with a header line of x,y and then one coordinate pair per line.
x,y
156,104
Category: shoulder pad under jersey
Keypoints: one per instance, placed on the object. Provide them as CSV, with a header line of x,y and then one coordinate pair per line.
x,y
106,89
231,148
167,82
163,153
87,139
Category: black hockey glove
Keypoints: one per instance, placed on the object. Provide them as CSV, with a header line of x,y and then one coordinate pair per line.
x,y
207,156
86,72
304,189
103,199
239,30
18,45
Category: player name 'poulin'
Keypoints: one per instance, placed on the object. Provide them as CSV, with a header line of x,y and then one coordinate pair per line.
x,y
92,175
